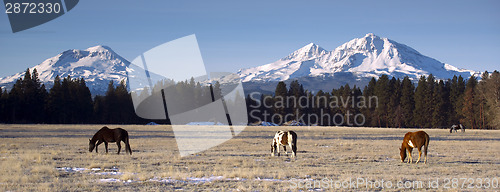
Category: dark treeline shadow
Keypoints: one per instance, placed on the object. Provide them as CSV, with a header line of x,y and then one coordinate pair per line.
x,y
384,102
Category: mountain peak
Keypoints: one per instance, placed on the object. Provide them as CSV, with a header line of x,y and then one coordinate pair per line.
x,y
310,45
365,57
99,48
373,36
309,51
97,65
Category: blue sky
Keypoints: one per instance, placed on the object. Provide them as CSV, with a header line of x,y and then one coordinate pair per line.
x,y
242,34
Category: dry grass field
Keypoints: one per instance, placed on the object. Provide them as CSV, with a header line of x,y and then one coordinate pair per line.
x,y
56,158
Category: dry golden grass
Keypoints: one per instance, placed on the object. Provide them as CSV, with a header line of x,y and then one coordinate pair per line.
x,y
31,154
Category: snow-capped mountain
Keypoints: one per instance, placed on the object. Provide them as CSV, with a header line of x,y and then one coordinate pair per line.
x,y
366,57
97,65
354,62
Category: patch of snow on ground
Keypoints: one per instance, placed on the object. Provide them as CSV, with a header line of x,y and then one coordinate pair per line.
x,y
71,169
204,179
96,171
194,180
198,180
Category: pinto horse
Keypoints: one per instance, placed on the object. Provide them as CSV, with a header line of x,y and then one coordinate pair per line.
x,y
106,135
455,127
414,140
284,138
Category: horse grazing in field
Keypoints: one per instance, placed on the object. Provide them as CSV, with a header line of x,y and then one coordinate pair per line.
x,y
106,135
284,138
414,140
455,127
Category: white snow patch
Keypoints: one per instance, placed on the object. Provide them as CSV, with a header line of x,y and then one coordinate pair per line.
x,y
71,169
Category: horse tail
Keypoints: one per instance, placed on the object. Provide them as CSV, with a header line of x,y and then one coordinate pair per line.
x,y
294,141
426,146
127,144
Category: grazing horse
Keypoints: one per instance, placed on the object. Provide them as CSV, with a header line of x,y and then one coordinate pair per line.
x,y
284,138
455,127
414,140
106,135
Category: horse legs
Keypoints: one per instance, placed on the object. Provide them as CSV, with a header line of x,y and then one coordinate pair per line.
x,y
127,147
284,148
419,155
119,146
426,147
97,145
106,146
294,150
410,160
278,149
425,154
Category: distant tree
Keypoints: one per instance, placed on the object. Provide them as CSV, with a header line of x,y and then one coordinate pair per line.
x,y
457,88
36,97
280,107
321,100
125,110
294,105
469,109
369,111
266,101
421,93
99,109
4,98
111,105
84,102
489,89
252,105
55,102
482,100
356,94
395,117
382,91
440,105
407,102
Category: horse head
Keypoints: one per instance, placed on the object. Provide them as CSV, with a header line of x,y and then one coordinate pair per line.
x,y
402,153
273,148
91,145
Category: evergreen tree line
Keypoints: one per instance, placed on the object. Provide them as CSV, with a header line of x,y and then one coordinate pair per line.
x,y
384,102
387,102
69,101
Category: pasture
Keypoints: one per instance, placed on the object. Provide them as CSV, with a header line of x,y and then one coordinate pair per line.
x,y
56,157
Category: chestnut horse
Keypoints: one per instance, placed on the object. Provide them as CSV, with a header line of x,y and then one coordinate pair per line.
x,y
284,138
106,135
414,140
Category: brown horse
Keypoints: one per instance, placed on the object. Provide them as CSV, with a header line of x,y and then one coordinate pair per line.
x,y
414,140
284,138
106,135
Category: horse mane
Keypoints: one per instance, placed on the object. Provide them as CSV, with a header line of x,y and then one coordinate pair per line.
x,y
97,134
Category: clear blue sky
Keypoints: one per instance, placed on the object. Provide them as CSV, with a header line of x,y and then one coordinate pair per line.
x,y
241,34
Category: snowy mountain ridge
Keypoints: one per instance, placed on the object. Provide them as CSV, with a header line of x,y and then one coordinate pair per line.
x,y
369,56
354,62
97,65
